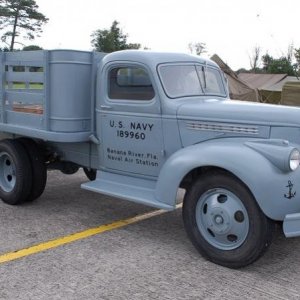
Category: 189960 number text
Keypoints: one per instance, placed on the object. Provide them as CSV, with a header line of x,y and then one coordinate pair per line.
x,y
131,135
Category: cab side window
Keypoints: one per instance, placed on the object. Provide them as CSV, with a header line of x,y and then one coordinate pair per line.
x,y
130,83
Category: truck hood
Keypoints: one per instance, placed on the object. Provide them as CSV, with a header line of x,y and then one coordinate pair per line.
x,y
211,119
240,112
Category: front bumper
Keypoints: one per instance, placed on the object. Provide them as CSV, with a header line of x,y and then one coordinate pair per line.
x,y
291,225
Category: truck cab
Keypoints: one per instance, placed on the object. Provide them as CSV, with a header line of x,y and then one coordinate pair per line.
x,y
137,101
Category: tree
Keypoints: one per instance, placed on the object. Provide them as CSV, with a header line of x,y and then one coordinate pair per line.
x,y
197,48
290,53
254,59
267,60
297,57
32,48
110,40
20,17
282,65
5,49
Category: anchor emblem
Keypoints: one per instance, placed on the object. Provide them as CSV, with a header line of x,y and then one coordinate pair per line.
x,y
290,194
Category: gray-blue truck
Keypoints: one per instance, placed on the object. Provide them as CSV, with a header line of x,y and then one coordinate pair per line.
x,y
142,125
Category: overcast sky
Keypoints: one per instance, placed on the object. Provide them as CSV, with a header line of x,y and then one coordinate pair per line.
x,y
230,28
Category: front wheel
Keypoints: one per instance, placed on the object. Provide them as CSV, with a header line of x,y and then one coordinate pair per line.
x,y
224,222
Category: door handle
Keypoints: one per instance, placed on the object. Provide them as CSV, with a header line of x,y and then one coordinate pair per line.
x,y
105,107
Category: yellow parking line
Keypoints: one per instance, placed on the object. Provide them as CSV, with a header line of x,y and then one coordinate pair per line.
x,y
6,257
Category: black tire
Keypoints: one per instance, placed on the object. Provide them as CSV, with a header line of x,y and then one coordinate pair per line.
x,y
38,166
90,173
15,172
224,221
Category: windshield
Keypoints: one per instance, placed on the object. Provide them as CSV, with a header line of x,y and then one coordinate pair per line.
x,y
191,80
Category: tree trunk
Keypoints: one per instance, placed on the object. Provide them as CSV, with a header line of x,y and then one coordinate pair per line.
x,y
14,31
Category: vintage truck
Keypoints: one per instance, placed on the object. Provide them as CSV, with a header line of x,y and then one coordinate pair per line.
x,y
142,125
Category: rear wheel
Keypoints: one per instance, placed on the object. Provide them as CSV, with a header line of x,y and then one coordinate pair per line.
x,y
90,173
224,222
15,172
38,166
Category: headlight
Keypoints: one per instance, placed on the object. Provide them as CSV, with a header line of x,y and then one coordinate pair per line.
x,y
294,159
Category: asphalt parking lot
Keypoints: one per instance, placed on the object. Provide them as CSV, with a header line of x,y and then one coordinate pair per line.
x,y
148,259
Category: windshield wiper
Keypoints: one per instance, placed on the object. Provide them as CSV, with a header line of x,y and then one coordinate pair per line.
x,y
204,76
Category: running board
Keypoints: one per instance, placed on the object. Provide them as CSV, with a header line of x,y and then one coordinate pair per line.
x,y
127,188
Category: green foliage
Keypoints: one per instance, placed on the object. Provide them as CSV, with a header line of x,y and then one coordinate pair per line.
x,y
32,48
20,18
297,57
243,70
113,39
280,65
4,49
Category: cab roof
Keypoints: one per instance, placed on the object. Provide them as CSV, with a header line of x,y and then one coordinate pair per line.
x,y
153,59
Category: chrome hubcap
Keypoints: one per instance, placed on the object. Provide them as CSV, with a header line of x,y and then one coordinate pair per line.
x,y
222,219
7,172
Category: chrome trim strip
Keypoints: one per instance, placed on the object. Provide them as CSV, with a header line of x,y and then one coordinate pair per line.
x,y
222,127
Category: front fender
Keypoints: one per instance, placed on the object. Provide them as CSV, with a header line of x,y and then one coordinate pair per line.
x,y
267,182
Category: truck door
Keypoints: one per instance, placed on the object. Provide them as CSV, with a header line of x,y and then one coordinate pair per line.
x,y
129,121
